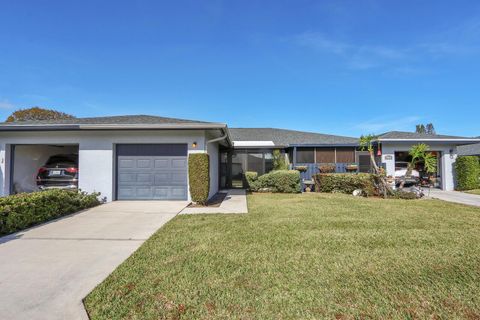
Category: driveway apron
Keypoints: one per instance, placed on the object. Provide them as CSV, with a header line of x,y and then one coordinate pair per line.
x,y
46,271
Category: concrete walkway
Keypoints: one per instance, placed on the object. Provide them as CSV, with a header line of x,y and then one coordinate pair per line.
x,y
46,271
234,202
455,196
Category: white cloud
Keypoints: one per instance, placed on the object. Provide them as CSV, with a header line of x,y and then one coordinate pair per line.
x,y
380,125
356,56
6,105
368,56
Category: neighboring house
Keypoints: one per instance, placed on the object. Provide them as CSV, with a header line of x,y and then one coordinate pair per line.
x,y
145,157
394,147
253,147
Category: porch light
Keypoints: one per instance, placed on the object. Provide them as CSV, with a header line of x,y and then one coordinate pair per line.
x,y
194,144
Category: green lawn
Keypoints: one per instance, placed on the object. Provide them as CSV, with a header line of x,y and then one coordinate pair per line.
x,y
310,256
476,191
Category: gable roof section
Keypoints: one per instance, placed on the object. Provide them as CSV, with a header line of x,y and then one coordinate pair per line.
x,y
244,137
113,122
413,136
469,150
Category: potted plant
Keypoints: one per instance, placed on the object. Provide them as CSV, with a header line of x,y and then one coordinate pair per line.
x,y
352,167
301,168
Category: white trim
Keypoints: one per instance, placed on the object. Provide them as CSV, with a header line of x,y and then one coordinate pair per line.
x,y
253,144
439,140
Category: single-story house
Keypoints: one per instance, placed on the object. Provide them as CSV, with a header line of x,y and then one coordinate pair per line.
x,y
145,157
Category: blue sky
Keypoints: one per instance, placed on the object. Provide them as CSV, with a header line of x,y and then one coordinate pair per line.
x,y
340,67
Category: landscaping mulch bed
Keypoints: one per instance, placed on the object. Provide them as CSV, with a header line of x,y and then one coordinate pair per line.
x,y
214,201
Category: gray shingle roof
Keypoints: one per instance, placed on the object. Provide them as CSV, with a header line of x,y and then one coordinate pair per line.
x,y
284,137
414,135
112,120
469,150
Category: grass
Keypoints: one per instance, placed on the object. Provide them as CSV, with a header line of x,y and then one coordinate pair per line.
x,y
476,191
310,256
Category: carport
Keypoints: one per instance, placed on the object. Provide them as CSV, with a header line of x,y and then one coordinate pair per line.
x,y
27,159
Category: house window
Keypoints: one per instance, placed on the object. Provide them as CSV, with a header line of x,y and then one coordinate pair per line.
x,y
234,164
255,162
325,155
345,155
305,155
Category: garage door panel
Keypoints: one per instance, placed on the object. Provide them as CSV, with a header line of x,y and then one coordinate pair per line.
x,y
144,163
161,192
126,193
144,178
145,172
144,192
179,178
178,192
179,163
126,178
162,178
126,163
161,163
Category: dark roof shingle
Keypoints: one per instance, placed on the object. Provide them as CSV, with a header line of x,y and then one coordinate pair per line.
x,y
469,150
414,135
111,120
284,137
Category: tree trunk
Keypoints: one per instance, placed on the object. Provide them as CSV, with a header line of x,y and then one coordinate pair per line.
x,y
408,174
382,184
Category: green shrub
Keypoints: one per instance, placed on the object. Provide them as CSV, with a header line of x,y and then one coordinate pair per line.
x,y
402,194
24,210
279,162
468,172
252,180
283,181
344,183
199,177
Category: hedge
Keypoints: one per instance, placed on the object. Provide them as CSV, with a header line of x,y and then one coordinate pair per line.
x,y
251,178
282,181
199,177
24,210
344,183
468,173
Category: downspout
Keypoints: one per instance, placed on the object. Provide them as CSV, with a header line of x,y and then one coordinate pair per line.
x,y
218,139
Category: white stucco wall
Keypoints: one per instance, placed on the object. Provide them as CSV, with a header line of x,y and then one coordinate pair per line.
x,y
446,162
96,152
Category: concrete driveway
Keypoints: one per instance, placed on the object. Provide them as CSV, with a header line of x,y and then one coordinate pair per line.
x,y
455,196
46,271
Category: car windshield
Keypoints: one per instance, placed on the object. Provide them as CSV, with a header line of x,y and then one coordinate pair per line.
x,y
62,159
401,165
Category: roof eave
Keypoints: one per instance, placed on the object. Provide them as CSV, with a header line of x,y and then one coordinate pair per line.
x,y
324,145
53,127
453,140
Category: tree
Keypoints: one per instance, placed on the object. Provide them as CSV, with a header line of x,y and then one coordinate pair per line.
x,y
420,153
430,129
367,143
426,129
37,113
420,128
279,162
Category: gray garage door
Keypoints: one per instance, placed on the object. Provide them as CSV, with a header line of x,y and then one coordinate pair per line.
x,y
151,171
